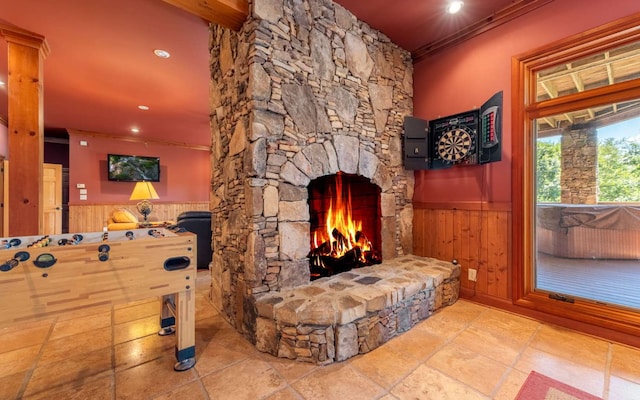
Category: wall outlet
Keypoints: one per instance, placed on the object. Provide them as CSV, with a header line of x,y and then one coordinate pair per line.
x,y
473,274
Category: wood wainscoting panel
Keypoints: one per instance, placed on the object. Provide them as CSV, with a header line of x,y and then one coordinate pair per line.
x,y
93,217
477,235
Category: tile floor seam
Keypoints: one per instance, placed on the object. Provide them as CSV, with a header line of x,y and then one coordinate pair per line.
x,y
282,376
247,357
453,337
30,371
465,384
113,354
299,377
300,396
203,388
116,371
501,382
512,366
607,372
423,361
425,358
357,371
173,388
457,380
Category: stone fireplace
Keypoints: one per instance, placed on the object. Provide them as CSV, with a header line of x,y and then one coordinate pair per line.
x,y
302,92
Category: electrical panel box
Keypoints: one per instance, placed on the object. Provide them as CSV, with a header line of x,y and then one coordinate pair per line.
x,y
468,138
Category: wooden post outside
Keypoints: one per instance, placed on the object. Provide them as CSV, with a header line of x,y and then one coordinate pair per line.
x,y
26,53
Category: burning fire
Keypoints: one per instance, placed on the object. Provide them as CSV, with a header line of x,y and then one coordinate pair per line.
x,y
341,229
341,245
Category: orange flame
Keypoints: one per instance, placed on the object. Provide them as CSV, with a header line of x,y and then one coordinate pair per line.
x,y
339,219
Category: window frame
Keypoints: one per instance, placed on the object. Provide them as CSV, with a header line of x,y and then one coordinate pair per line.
x,y
525,109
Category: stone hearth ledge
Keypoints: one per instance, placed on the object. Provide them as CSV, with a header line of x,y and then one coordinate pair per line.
x,y
335,318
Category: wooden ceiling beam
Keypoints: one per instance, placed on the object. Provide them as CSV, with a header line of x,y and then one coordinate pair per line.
x,y
610,75
228,13
548,87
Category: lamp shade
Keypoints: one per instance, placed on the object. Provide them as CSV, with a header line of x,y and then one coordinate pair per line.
x,y
143,191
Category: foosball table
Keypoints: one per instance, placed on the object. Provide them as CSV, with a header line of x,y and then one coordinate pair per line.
x,y
43,276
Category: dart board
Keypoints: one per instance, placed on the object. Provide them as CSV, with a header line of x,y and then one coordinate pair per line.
x,y
455,144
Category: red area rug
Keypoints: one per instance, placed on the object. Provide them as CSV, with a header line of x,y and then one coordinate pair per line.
x,y
541,387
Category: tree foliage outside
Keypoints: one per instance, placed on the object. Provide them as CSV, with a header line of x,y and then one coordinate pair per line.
x,y
548,172
618,171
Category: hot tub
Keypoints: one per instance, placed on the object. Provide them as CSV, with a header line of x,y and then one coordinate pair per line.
x,y
589,231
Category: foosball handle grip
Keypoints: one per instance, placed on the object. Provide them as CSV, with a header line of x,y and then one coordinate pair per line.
x,y
12,263
103,252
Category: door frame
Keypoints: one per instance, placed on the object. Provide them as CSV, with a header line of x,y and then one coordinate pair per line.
x,y
525,109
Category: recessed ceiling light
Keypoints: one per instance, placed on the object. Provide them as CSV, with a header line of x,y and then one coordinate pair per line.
x,y
142,107
161,53
135,130
454,6
1,83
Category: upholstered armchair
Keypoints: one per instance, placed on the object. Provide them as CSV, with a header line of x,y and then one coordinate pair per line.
x,y
199,222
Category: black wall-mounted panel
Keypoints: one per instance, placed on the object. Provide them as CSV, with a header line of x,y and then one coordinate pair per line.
x,y
416,145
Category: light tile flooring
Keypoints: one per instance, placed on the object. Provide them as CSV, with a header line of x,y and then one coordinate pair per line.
x,y
465,351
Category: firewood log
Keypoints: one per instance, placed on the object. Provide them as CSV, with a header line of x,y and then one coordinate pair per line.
x,y
341,242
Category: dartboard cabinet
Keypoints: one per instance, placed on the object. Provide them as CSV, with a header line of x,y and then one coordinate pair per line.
x,y
468,138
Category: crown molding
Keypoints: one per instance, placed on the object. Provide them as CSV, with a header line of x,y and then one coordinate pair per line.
x,y
139,140
501,17
15,34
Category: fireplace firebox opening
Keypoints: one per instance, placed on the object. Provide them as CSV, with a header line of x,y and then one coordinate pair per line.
x,y
345,224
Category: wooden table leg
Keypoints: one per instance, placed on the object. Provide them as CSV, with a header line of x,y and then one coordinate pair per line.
x,y
186,326
178,314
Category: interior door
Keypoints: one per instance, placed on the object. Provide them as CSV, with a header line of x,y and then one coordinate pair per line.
x,y
51,199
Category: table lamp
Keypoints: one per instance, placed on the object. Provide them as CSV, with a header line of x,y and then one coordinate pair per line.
x,y
144,191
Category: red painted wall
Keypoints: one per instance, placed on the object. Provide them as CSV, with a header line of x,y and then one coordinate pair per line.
x,y
184,173
462,78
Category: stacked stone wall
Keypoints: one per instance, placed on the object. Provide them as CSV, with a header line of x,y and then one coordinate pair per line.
x,y
579,176
302,91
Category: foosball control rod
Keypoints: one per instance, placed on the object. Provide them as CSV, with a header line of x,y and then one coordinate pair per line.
x,y
169,330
